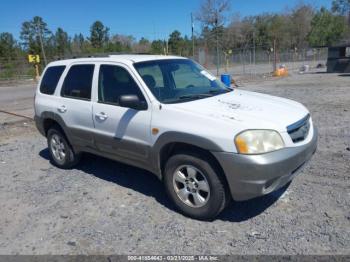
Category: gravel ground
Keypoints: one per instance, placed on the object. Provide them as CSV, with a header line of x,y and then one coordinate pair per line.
x,y
104,207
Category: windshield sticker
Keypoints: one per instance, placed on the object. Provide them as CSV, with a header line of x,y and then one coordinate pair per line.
x,y
208,75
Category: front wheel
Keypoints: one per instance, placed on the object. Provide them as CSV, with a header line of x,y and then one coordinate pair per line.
x,y
195,185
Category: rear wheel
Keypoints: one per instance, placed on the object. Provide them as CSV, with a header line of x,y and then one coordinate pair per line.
x,y
61,152
195,185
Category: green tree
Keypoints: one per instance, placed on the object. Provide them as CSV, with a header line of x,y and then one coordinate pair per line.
x,y
326,28
157,47
7,46
78,44
125,41
186,46
99,35
30,35
113,47
143,41
261,25
62,42
300,25
175,43
277,30
240,33
143,46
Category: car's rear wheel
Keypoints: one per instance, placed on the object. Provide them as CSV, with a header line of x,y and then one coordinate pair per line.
x,y
61,152
195,185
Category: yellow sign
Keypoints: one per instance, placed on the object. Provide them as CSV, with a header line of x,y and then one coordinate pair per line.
x,y
34,59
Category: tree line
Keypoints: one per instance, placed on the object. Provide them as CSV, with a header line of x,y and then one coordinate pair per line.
x,y
299,27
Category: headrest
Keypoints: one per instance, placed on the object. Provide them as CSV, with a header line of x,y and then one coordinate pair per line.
x,y
149,80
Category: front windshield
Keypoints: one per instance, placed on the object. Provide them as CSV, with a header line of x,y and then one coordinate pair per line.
x,y
179,80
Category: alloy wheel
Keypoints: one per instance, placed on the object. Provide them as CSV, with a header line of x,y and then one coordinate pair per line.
x,y
191,186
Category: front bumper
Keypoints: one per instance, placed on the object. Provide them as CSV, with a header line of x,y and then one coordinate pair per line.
x,y
250,176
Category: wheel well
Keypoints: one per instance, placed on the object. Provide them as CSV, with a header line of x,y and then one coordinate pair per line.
x,y
48,123
172,148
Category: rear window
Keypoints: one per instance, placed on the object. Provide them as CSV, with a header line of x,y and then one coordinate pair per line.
x,y
78,82
50,79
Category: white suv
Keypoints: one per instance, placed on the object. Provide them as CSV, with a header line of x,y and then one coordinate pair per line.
x,y
207,142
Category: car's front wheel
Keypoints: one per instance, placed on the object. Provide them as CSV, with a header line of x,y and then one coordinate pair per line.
x,y
61,152
195,185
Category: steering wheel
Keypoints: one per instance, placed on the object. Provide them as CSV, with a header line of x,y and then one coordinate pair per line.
x,y
189,86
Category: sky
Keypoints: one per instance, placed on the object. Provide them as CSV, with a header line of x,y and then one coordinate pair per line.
x,y
152,19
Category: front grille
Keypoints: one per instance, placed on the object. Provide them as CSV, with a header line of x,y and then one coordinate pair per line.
x,y
299,130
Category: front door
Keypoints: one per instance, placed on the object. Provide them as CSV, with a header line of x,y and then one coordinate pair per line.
x,y
120,131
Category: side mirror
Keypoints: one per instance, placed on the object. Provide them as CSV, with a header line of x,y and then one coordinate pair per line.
x,y
132,101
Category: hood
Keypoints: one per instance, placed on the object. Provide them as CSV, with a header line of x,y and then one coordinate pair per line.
x,y
252,110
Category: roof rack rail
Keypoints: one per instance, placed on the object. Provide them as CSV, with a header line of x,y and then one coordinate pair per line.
x,y
97,55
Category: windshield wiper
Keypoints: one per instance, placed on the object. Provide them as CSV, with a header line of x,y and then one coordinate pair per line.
x,y
194,96
204,95
187,97
210,93
220,91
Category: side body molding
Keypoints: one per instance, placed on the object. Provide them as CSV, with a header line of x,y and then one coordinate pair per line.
x,y
154,159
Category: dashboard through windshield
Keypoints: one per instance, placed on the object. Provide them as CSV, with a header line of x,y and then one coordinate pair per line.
x,y
179,80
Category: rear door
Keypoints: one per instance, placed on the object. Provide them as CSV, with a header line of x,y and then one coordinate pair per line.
x,y
74,104
120,131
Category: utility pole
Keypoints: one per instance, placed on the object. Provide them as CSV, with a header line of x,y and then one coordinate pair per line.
x,y
192,35
41,41
217,44
274,56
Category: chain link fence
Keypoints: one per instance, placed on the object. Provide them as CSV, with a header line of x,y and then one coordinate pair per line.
x,y
255,61
248,62
16,69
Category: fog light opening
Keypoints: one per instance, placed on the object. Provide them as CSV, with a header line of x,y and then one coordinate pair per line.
x,y
270,185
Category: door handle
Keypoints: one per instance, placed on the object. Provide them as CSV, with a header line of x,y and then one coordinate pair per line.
x,y
101,116
62,109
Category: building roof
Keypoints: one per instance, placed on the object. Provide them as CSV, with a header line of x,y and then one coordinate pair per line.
x,y
339,45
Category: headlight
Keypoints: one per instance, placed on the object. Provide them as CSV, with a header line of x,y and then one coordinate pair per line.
x,y
258,141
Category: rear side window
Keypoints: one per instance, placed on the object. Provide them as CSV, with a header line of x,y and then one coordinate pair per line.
x,y
50,79
78,82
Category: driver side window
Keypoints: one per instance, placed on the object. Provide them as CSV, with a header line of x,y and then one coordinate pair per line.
x,y
115,81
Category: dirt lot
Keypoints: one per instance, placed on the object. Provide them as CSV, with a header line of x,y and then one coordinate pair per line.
x,y
104,207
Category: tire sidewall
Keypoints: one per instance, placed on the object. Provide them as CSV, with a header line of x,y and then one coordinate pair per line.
x,y
69,158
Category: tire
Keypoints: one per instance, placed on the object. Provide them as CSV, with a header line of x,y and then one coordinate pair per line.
x,y
200,202
61,152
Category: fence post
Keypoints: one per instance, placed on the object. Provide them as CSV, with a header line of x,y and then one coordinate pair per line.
x,y
250,61
275,56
